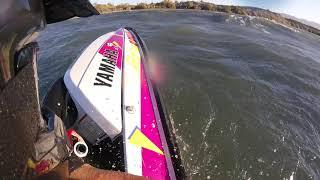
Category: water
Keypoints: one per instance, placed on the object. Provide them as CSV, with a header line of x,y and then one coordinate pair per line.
x,y
243,93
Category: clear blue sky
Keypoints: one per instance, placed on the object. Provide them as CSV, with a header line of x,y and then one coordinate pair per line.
x,y
305,9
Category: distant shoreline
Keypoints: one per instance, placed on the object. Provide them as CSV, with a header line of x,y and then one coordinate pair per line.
x,y
155,9
196,10
167,5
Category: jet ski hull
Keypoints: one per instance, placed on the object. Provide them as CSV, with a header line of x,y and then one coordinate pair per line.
x,y
111,86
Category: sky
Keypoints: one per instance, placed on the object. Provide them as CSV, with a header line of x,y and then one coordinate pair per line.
x,y
304,9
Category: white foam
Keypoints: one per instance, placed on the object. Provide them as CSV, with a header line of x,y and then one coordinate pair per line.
x,y
265,31
291,177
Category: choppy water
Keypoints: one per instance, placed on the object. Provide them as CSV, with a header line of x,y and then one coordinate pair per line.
x,y
243,93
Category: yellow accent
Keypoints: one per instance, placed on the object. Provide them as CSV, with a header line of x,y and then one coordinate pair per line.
x,y
116,44
139,139
133,57
31,164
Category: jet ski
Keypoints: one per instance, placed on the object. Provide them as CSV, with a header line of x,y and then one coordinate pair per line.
x,y
108,102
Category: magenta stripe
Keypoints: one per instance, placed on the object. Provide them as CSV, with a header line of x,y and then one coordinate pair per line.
x,y
153,164
119,32
118,38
